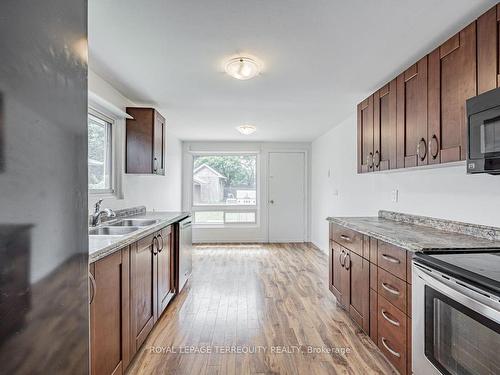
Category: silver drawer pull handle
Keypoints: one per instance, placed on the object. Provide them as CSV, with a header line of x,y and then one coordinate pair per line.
x,y
392,321
390,289
394,353
94,288
391,259
345,238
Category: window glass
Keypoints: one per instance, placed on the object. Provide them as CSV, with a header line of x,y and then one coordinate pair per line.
x,y
99,154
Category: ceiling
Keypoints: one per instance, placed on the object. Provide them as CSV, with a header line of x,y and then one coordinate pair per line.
x,y
320,58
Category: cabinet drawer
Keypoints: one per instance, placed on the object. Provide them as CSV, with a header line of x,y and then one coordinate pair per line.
x,y
392,289
348,238
392,338
392,258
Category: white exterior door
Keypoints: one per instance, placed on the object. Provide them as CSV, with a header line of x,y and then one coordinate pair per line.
x,y
286,197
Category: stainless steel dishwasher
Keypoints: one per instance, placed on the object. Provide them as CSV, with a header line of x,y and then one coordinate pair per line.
x,y
185,252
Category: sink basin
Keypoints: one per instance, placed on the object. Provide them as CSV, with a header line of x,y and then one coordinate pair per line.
x,y
134,223
111,231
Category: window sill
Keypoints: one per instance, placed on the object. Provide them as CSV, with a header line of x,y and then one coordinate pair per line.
x,y
226,226
105,195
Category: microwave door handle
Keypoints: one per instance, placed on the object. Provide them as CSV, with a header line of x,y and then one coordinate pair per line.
x,y
480,303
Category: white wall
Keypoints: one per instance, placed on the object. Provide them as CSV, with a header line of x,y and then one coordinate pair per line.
x,y
445,192
160,193
255,233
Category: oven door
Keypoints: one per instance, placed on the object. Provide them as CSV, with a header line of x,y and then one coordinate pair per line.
x,y
456,327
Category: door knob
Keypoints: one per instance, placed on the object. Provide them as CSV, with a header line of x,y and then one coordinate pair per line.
x,y
271,201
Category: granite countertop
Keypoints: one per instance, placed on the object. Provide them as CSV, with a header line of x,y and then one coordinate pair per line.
x,y
422,234
101,246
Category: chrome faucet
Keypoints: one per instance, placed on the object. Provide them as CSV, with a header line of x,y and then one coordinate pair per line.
x,y
96,216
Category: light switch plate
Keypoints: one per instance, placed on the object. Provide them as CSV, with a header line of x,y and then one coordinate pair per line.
x,y
395,195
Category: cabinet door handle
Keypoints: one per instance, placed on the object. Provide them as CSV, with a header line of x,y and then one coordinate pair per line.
x,y
434,140
391,259
155,249
390,289
376,159
348,264
155,165
345,238
422,145
393,352
386,317
94,288
161,239
369,160
340,258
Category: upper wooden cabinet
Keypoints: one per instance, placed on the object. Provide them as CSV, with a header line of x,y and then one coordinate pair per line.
x,y
420,117
384,128
145,141
452,80
488,52
412,115
365,135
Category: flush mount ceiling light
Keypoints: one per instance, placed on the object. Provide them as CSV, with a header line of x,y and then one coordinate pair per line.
x,y
246,129
242,67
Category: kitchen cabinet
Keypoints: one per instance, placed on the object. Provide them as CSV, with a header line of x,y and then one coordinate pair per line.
x,y
452,80
411,115
109,314
166,272
488,52
145,141
371,280
143,289
365,135
384,127
349,282
339,282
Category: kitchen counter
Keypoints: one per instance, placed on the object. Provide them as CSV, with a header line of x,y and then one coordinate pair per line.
x,y
419,233
101,246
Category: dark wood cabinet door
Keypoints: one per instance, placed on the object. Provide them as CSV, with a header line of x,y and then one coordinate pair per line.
x,y
384,128
452,80
488,50
165,256
359,289
159,145
412,115
143,289
109,314
338,279
139,141
365,135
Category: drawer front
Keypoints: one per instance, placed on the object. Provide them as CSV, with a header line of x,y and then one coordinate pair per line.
x,y
392,335
348,238
392,289
392,258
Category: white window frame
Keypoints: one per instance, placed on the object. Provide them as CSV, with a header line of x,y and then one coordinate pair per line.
x,y
227,208
115,190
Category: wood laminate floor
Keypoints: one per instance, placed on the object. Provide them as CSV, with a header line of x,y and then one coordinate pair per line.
x,y
270,303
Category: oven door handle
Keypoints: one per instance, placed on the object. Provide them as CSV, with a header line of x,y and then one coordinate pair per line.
x,y
460,292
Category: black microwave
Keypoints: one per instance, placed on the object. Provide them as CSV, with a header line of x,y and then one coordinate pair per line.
x,y
483,125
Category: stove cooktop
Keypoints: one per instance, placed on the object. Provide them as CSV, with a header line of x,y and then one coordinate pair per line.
x,y
481,268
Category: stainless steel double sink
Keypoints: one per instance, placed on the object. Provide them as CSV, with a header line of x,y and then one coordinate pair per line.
x,y
121,227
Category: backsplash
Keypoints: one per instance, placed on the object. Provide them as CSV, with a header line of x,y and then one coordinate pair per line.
x,y
476,230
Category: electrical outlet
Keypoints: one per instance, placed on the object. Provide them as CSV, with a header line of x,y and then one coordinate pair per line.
x,y
395,195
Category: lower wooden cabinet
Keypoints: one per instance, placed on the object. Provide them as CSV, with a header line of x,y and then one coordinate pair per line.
x,y
129,290
165,257
350,282
143,289
375,289
109,314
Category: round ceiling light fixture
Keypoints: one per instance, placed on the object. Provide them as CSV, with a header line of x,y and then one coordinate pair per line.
x,y
242,67
246,129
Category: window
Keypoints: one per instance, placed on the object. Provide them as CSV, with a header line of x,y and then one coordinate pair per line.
x,y
100,164
225,189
